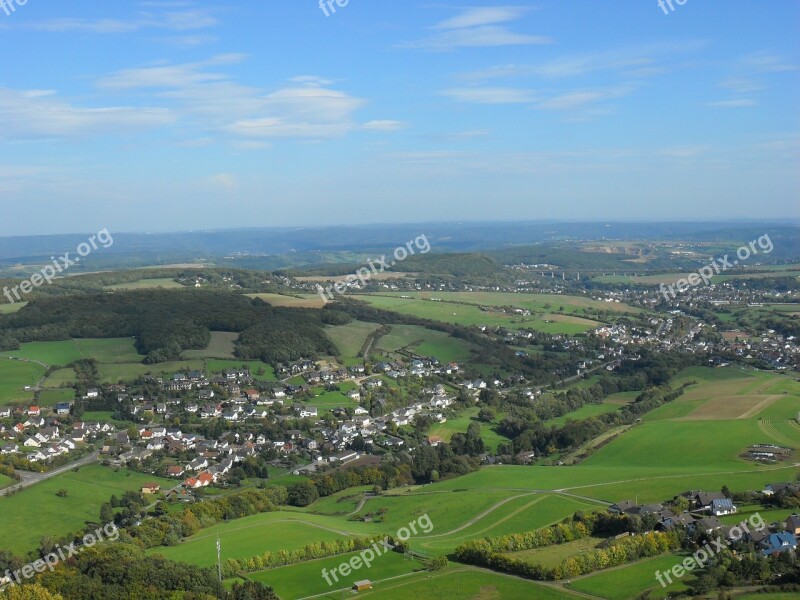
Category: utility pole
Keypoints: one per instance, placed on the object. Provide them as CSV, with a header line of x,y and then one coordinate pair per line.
x,y
219,559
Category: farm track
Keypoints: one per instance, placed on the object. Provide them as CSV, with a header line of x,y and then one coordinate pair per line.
x,y
768,427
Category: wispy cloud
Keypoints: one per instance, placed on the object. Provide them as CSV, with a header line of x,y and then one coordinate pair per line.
x,y
769,63
570,100
174,20
383,125
32,114
478,27
491,95
735,103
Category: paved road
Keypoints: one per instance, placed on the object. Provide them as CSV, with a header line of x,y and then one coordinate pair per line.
x,y
29,479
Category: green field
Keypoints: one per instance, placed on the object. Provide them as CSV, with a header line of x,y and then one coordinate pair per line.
x,y
351,337
632,580
552,556
453,308
519,512
300,301
305,579
584,412
60,378
15,375
7,309
111,350
424,342
465,583
146,284
53,397
221,346
35,512
257,534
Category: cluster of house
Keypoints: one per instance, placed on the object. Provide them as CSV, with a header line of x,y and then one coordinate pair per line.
x,y
327,442
705,507
42,439
779,351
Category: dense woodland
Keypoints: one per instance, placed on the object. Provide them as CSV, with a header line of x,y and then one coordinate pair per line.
x,y
167,322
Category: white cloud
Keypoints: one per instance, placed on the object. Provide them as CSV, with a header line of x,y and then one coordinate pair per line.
x,y
383,125
478,27
736,103
475,17
28,114
769,63
491,95
175,20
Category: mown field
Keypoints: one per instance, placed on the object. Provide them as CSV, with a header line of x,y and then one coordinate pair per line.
x,y
33,513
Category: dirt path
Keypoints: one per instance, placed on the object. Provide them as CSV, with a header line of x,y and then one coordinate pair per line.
x,y
359,507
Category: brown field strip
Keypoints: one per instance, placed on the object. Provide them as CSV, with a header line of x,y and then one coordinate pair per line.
x,y
731,407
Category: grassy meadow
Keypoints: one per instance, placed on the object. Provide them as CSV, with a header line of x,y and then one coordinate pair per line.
x,y
36,512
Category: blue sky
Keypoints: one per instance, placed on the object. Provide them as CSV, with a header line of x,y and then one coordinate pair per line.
x,y
166,116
